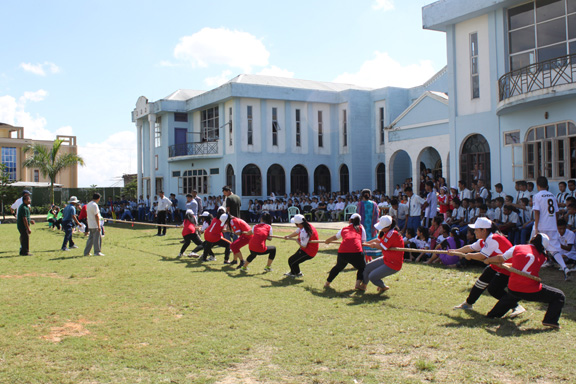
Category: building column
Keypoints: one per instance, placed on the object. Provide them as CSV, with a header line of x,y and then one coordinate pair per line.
x,y
151,123
139,170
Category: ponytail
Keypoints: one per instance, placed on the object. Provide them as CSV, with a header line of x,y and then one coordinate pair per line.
x,y
356,223
536,241
307,227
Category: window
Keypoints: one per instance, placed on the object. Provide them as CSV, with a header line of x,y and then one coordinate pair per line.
x,y
9,159
298,129
320,130
541,30
156,162
275,127
175,173
36,175
512,138
381,126
209,124
344,129
250,127
158,132
181,117
474,77
230,125
159,184
251,181
193,180
550,150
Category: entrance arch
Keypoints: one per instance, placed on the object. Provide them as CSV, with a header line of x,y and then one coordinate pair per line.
x,y
429,158
381,177
322,179
276,180
344,179
401,165
230,177
475,160
299,179
251,180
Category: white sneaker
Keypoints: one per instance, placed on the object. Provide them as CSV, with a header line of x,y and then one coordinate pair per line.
x,y
193,254
288,274
100,254
465,306
546,264
567,276
517,311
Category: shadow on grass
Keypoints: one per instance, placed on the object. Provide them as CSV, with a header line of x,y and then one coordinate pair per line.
x,y
358,297
284,282
69,257
498,327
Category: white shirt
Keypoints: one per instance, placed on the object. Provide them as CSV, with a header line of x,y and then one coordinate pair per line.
x,y
340,206
464,194
415,202
192,205
401,213
568,239
521,194
511,218
546,204
483,193
432,208
164,204
16,204
92,210
496,194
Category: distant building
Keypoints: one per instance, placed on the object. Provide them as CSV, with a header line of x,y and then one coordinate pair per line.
x,y
264,135
128,178
12,145
512,76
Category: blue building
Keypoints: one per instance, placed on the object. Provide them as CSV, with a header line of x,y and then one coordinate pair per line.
x,y
264,135
512,87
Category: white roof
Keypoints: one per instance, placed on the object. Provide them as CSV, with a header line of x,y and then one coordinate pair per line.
x,y
33,184
183,95
294,83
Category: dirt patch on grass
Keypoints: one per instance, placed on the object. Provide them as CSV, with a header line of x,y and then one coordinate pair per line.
x,y
69,329
245,372
51,275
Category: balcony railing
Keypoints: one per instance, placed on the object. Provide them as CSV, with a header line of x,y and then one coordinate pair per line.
x,y
542,75
191,149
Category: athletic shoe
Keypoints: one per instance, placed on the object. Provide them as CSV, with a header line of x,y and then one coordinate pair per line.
x,y
546,264
179,256
100,254
240,265
380,289
193,254
300,274
555,326
212,258
74,246
227,262
243,269
233,262
88,254
517,311
465,306
65,249
267,269
289,274
567,274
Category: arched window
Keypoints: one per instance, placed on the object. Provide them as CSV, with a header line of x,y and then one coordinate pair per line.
x,y
299,179
550,150
276,178
251,181
322,179
230,177
381,177
475,160
344,179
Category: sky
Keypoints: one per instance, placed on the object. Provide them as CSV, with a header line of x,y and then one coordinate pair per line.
x,y
78,67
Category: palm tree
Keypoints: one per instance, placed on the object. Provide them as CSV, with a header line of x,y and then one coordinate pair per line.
x,y
49,162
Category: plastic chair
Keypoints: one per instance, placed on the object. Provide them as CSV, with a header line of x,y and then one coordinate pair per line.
x,y
292,211
349,211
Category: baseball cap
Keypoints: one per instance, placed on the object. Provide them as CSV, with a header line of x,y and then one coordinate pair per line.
x,y
205,214
355,215
545,241
481,222
223,218
297,219
384,222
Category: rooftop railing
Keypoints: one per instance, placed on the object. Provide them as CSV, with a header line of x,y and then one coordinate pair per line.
x,y
541,75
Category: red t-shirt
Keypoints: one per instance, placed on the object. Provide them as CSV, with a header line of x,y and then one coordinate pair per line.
x,y
351,240
494,245
443,199
258,241
188,227
239,225
214,232
311,249
527,259
392,259
83,213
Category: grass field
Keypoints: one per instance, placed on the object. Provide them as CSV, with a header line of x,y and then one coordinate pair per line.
x,y
139,315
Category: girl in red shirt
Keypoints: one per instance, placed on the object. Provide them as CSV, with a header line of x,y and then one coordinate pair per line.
x,y
307,250
189,233
350,250
529,258
391,261
213,236
240,228
257,245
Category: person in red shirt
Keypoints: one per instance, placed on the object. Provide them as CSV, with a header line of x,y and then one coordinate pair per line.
x,y
391,261
529,258
83,218
240,228
189,233
490,243
350,250
307,250
213,236
257,245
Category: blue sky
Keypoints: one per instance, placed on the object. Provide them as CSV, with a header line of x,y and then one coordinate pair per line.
x,y
78,67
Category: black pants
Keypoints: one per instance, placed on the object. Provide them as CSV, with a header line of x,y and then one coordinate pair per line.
x,y
552,296
24,242
357,261
191,237
296,259
161,219
222,242
270,251
495,282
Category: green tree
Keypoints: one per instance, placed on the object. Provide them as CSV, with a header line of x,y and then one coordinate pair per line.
x,y
131,189
50,162
4,187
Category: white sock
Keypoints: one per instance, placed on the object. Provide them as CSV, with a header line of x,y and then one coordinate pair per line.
x,y
560,260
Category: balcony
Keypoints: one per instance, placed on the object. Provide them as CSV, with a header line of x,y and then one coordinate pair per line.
x,y
204,149
538,81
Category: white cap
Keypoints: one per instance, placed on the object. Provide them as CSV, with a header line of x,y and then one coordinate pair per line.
x,y
454,187
385,221
481,222
297,219
205,214
545,241
223,218
189,212
355,215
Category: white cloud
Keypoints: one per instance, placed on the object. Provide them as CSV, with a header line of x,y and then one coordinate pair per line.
x,y
40,69
39,95
384,5
216,81
221,46
13,112
276,71
65,131
107,160
383,71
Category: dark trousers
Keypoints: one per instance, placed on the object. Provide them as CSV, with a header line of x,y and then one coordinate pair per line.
x,y
161,219
552,296
191,237
494,281
222,242
357,261
296,259
270,251
68,227
24,242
